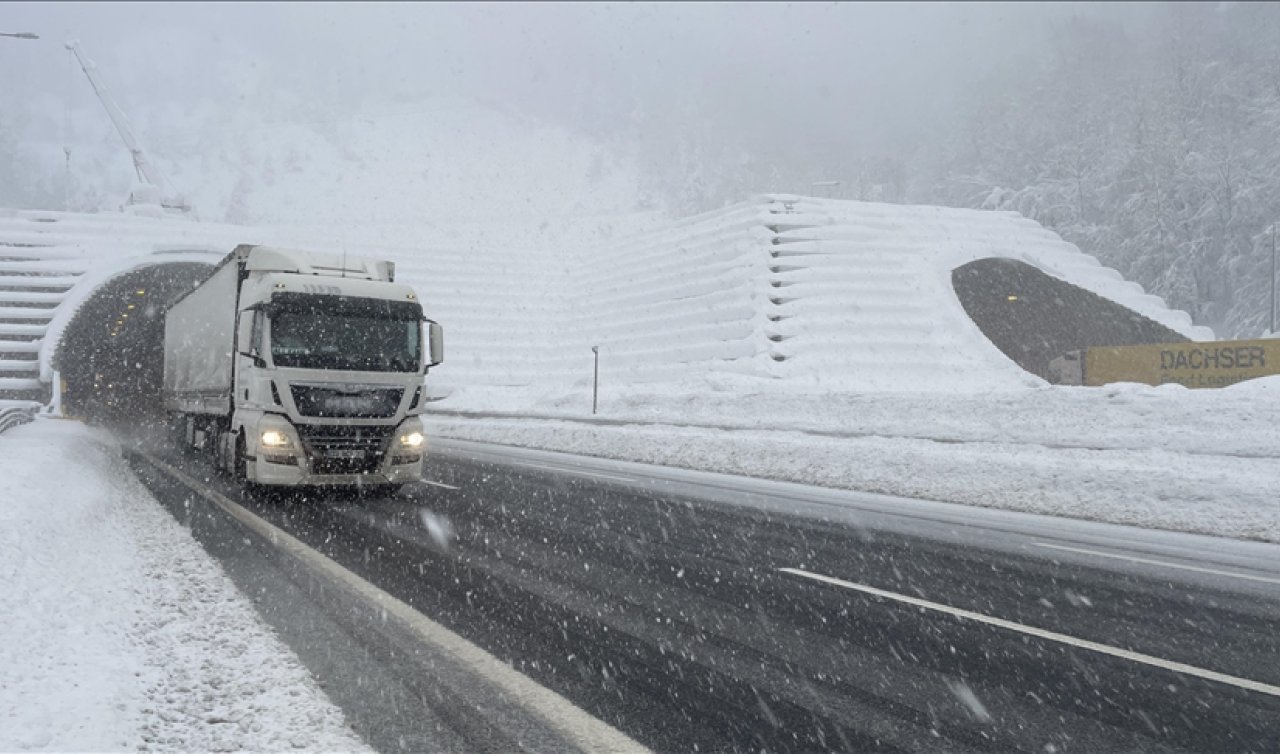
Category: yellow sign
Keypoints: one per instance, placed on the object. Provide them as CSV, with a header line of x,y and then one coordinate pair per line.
x,y
1214,364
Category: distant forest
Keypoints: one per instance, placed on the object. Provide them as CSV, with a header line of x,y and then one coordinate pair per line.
x,y
1154,146
1159,152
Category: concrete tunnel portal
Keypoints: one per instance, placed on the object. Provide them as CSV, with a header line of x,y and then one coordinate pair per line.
x,y
111,354
1033,317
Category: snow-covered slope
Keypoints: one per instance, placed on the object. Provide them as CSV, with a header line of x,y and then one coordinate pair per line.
x,y
779,290
121,633
287,162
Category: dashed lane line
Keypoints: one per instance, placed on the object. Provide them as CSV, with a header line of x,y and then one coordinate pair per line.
x,y
1106,649
440,484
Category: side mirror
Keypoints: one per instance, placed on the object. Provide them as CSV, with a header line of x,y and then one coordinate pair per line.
x,y
435,345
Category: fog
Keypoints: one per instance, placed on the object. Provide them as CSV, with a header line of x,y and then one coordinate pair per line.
x,y
1145,133
840,78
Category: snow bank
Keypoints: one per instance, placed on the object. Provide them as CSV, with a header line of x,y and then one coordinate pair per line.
x,y
119,631
1159,457
1261,387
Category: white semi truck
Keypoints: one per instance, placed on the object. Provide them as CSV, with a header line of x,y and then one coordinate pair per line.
x,y
297,368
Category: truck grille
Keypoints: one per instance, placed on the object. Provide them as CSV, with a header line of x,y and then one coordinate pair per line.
x,y
345,450
346,402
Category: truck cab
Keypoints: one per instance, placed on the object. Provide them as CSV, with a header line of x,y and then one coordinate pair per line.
x,y
325,370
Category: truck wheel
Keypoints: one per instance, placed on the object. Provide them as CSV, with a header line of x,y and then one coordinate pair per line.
x,y
240,466
240,471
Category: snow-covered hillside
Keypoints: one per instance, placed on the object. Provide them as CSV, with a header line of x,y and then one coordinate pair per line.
x,y
437,161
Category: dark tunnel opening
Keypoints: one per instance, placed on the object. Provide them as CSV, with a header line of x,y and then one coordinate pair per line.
x,y
1034,318
111,355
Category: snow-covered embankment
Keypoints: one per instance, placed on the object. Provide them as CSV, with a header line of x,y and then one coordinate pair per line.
x,y
120,632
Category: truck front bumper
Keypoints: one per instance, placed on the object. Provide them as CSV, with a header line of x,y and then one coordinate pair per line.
x,y
265,472
335,455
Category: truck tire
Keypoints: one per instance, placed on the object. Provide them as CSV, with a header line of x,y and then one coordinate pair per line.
x,y
240,467
240,471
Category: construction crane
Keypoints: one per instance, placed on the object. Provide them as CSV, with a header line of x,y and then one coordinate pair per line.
x,y
148,174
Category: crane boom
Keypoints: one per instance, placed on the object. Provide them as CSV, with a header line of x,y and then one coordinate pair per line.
x,y
147,173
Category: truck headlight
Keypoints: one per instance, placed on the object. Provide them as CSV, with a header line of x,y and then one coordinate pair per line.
x,y
274,438
411,439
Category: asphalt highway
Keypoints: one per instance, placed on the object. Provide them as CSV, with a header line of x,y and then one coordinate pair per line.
x,y
701,612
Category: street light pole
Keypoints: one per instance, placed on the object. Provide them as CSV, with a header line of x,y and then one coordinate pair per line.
x,y
20,35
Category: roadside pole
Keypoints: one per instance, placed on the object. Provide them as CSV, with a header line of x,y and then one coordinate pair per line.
x,y
55,401
1273,278
595,380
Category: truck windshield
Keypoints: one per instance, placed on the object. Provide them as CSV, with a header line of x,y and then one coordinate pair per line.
x,y
332,332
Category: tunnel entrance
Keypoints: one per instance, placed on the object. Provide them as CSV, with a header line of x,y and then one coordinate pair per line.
x,y
111,355
1034,318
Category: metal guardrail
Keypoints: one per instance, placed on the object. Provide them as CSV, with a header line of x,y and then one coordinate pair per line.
x,y
13,416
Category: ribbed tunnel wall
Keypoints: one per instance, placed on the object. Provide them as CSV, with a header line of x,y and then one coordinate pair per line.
x,y
832,295
867,302
33,283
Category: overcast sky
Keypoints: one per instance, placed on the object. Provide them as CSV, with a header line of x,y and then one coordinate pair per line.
x,y
707,102
864,72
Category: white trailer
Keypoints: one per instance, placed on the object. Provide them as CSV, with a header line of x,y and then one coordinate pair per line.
x,y
297,368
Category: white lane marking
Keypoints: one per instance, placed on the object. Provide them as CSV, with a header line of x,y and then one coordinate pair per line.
x,y
1148,561
1105,649
575,724
571,471
440,484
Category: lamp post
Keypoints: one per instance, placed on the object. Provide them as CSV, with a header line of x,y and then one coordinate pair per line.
x,y
20,35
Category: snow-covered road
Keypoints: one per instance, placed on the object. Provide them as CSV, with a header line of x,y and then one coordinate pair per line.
x,y
120,632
